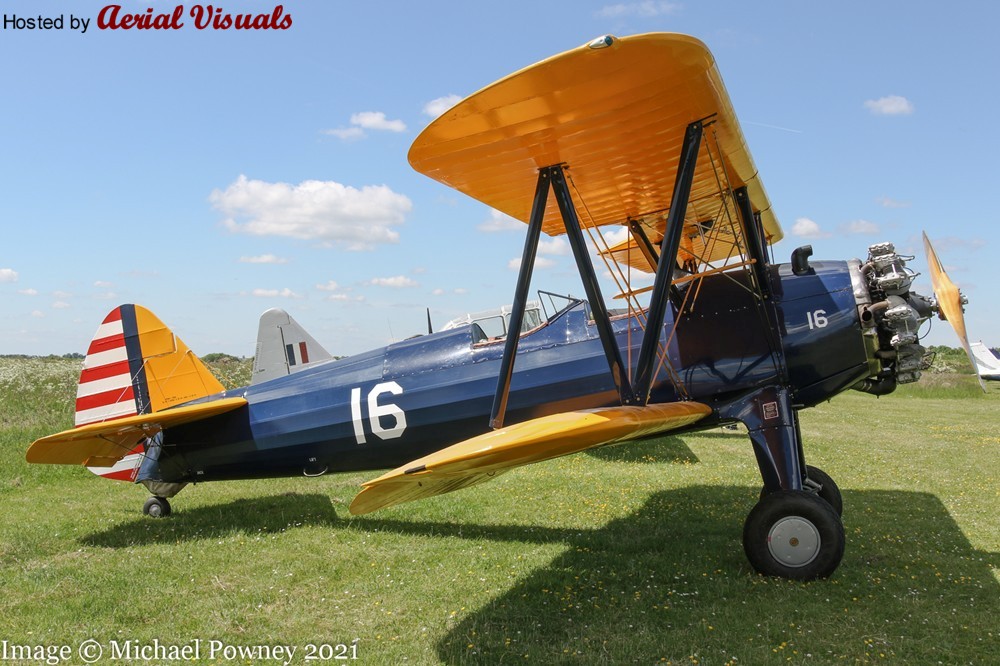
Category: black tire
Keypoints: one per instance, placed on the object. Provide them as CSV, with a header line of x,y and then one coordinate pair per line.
x,y
793,534
827,488
156,507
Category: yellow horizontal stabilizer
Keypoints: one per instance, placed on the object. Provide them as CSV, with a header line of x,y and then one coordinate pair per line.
x,y
112,440
482,458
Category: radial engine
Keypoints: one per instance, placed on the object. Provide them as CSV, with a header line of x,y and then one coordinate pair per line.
x,y
891,315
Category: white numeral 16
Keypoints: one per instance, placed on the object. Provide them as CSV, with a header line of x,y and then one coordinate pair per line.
x,y
817,319
376,412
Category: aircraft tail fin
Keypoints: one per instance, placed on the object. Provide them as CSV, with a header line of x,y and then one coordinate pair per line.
x,y
136,365
283,347
988,364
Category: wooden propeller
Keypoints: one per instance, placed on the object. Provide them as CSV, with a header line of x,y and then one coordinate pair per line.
x,y
950,302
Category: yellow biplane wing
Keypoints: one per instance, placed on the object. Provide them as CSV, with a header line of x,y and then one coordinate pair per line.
x,y
482,458
102,444
614,112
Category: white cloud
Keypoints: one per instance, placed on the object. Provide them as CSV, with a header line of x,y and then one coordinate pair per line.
x,y
441,292
500,222
313,210
275,293
61,305
62,295
890,105
263,259
646,9
37,314
397,282
8,275
615,236
436,107
346,133
540,262
28,292
887,202
337,293
376,120
366,120
557,246
103,284
861,227
806,228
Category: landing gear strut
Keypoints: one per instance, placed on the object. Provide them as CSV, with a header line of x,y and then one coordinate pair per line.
x,y
156,507
795,530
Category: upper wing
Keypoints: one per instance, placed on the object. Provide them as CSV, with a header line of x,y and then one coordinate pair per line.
x,y
616,117
481,458
102,444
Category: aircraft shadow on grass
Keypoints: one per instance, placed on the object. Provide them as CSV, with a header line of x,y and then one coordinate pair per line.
x,y
261,514
678,562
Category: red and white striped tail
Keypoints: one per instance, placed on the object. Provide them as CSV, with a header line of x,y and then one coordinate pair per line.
x,y
106,389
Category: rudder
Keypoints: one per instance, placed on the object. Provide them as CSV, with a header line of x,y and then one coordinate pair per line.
x,y
136,365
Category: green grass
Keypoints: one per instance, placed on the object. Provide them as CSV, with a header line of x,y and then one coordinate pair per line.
x,y
629,554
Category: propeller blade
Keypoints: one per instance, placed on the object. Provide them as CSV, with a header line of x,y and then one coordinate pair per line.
x,y
949,300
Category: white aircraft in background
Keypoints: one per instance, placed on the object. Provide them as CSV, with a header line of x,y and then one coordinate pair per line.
x,y
987,364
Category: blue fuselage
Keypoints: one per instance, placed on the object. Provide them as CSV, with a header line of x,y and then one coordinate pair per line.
x,y
386,407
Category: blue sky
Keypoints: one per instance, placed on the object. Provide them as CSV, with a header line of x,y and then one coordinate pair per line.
x,y
210,175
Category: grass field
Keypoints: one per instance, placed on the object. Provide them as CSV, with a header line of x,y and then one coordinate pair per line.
x,y
629,554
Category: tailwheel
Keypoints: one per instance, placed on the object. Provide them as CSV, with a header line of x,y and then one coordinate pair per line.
x,y
794,534
156,507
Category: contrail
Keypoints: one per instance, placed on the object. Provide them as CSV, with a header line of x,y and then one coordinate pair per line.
x,y
783,129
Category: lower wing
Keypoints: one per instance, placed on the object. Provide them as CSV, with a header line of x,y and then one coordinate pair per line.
x,y
482,458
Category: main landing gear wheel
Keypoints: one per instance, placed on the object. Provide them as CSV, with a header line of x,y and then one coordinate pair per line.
x,y
822,484
794,534
156,507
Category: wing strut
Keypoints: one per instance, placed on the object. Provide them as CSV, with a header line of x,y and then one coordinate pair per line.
x,y
756,242
753,232
668,259
642,240
520,299
586,267
553,176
